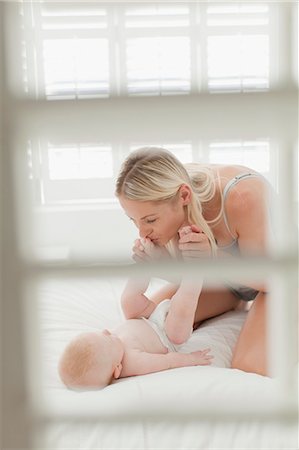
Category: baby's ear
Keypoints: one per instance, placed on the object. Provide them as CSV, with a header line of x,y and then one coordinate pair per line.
x,y
117,371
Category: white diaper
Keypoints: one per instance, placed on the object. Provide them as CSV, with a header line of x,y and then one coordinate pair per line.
x,y
157,319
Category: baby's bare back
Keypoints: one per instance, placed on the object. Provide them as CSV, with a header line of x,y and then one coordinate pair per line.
x,y
138,334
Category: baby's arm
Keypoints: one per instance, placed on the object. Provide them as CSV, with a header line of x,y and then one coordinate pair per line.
x,y
138,362
180,318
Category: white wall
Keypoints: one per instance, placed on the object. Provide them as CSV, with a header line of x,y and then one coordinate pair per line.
x,y
91,235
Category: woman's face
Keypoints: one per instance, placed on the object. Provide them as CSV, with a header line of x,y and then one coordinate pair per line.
x,y
158,221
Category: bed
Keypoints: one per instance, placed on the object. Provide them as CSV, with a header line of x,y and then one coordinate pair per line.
x,y
185,408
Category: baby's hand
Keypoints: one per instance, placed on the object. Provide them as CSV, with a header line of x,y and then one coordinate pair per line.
x,y
201,357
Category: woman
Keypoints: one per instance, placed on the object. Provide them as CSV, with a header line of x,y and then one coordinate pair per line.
x,y
226,207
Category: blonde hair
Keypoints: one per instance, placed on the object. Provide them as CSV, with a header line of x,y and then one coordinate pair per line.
x,y
155,174
204,185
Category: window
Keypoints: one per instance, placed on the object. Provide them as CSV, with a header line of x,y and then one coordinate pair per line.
x,y
68,55
71,173
76,50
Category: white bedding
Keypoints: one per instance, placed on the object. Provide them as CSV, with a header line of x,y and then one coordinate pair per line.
x,y
140,412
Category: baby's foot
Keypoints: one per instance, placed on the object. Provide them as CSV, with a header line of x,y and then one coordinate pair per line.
x,y
147,246
152,250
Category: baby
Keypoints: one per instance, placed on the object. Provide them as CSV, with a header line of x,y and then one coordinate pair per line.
x,y
136,347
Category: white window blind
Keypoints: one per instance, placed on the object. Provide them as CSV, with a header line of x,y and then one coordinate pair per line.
x,y
70,173
238,14
83,162
154,68
81,50
238,63
73,16
253,154
68,46
173,15
75,68
238,46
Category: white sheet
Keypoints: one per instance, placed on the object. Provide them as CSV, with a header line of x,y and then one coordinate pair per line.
x,y
142,409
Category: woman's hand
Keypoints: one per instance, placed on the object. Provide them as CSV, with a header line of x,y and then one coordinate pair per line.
x,y
193,243
145,250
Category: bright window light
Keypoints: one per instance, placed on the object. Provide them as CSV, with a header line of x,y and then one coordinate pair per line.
x,y
238,63
79,162
76,67
154,67
255,154
158,49
183,151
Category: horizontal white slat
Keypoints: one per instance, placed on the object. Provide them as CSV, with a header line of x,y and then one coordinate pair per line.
x,y
213,270
75,16
238,15
72,9
236,8
175,118
155,22
74,25
173,9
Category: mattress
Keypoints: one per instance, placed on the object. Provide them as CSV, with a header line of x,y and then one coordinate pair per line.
x,y
203,407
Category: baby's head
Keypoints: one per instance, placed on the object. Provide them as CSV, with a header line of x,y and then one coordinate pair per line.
x,y
91,360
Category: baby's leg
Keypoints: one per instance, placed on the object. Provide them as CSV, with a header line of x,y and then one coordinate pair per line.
x,y
166,292
180,319
212,302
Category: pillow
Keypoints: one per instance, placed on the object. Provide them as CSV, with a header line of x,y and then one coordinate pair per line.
x,y
220,334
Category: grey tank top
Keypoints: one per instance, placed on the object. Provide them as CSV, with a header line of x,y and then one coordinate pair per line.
x,y
233,246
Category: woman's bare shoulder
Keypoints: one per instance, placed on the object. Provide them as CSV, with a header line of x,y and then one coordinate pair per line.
x,y
246,205
244,189
228,172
